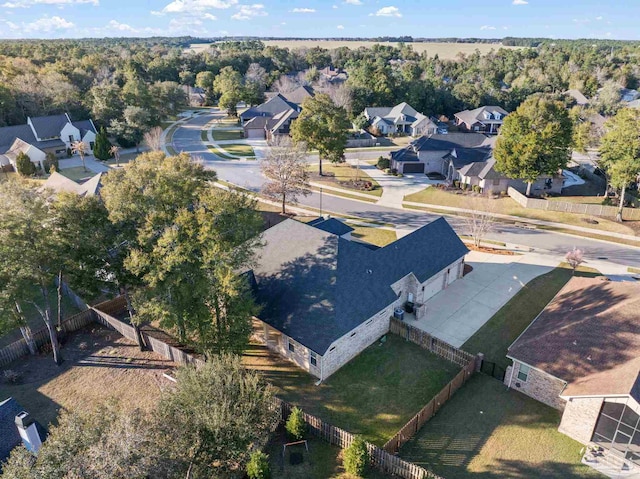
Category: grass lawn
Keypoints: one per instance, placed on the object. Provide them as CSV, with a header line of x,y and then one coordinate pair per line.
x,y
505,326
321,461
99,365
220,153
371,199
33,317
489,432
376,236
238,149
77,173
507,206
222,135
343,175
204,136
633,270
124,158
374,395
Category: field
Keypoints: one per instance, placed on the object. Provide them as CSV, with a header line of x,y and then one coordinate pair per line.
x,y
446,51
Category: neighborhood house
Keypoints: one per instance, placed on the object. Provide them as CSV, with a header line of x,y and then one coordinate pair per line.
x,y
486,119
325,298
402,118
582,355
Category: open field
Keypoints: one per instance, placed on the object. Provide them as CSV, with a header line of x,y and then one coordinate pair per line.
x,y
99,365
446,51
489,432
505,326
374,395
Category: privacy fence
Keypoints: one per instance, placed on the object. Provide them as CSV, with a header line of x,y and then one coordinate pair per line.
x,y
577,208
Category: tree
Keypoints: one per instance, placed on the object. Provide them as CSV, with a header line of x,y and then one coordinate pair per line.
x,y
216,414
534,140
322,125
204,80
102,145
153,139
286,170
255,81
575,258
608,101
620,151
130,130
295,425
78,147
24,165
258,467
480,222
356,457
228,84
114,152
361,122
51,162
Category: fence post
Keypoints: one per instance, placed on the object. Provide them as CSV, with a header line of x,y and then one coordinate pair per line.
x,y
479,360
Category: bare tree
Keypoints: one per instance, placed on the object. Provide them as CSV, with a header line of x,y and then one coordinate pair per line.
x,y
286,170
153,139
341,95
288,83
575,258
79,148
480,221
115,152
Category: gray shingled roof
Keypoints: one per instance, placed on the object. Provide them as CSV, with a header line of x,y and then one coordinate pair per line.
x,y
307,279
469,147
477,116
49,126
300,94
84,126
271,107
9,435
331,225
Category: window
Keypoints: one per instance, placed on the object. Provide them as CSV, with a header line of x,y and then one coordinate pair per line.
x,y
70,138
91,143
523,372
292,347
313,359
496,181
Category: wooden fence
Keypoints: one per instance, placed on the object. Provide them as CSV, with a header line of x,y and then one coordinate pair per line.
x,y
430,343
576,208
19,348
379,458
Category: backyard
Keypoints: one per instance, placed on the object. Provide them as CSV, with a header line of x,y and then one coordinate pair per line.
x,y
99,365
505,326
489,432
345,175
374,395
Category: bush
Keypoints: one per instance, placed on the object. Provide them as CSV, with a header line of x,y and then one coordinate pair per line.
x,y
394,171
258,466
51,163
24,165
456,184
296,427
387,171
476,188
400,175
12,377
356,457
383,163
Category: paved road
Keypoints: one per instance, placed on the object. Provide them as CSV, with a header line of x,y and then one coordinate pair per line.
x,y
247,174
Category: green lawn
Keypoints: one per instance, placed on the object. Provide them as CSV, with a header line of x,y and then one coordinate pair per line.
x,y
124,158
343,175
77,173
222,135
505,326
489,432
204,136
220,153
238,149
374,395
376,236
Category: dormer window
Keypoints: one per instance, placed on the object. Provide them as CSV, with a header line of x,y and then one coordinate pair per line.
x,y
487,115
497,116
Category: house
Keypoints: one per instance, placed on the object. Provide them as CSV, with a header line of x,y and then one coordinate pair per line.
x,y
401,118
333,75
628,95
17,427
269,119
325,299
486,119
45,134
58,183
577,95
581,355
484,175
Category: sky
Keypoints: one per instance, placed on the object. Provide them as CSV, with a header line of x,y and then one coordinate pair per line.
x,y
616,19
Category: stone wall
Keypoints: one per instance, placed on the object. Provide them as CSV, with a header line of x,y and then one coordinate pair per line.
x,y
579,418
540,386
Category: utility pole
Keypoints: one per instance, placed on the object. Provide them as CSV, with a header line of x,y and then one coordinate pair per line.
x,y
320,201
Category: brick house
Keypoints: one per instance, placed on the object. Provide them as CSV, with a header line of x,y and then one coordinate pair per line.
x,y
581,355
325,298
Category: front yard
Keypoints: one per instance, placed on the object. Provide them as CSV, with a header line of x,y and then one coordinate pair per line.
x,y
77,173
374,395
377,236
488,432
222,135
346,176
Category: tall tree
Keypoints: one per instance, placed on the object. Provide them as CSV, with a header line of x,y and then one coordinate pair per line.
x,y
287,171
255,81
80,148
130,130
322,125
102,145
620,151
114,152
534,140
228,84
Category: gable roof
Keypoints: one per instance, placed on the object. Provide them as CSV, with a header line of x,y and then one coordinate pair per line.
x,y
577,96
402,112
47,127
463,148
300,94
588,336
331,225
59,183
477,116
271,107
307,279
84,126
9,435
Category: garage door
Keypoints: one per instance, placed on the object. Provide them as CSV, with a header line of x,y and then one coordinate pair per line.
x,y
432,288
413,168
255,133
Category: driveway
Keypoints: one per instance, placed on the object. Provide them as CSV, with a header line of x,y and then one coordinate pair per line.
x,y
456,313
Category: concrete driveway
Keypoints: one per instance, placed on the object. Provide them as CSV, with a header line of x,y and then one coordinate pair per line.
x,y
456,313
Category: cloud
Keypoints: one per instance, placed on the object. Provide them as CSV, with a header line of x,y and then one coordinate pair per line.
x,y
335,6
31,3
599,18
246,12
487,27
47,24
304,10
387,12
353,2
122,27
208,16
581,20
340,27
520,2
190,6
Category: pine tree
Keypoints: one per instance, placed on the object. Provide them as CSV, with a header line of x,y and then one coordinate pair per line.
x,y
102,146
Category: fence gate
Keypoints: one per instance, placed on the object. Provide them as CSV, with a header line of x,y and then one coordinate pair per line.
x,y
492,369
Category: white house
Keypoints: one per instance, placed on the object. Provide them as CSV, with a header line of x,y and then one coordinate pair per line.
x,y
402,118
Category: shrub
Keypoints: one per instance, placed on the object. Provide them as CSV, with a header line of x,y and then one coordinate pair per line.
x,y
465,187
258,466
456,184
399,175
394,171
476,188
12,377
387,171
383,163
24,165
296,427
356,457
69,153
51,163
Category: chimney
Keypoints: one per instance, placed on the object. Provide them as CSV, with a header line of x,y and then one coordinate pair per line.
x,y
28,432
